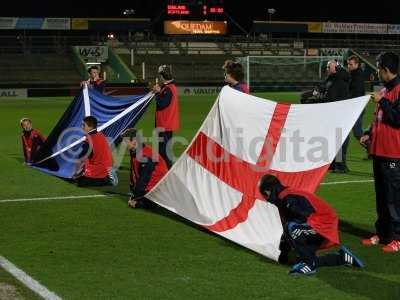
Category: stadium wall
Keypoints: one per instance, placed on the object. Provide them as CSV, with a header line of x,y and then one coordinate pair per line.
x,y
15,91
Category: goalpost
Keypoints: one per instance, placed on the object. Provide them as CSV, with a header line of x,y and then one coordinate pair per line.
x,y
270,73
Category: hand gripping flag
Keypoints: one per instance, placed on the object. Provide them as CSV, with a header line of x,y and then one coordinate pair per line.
x,y
214,183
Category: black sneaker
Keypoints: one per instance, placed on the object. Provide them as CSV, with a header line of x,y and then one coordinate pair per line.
x,y
340,169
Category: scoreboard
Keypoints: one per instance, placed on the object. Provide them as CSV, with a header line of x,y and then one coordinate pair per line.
x,y
195,17
195,10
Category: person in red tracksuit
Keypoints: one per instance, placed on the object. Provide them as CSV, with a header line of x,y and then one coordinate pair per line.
x,y
383,141
167,111
147,169
309,224
32,140
234,76
96,158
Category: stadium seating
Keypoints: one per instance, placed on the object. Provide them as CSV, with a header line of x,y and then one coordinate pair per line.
x,y
38,68
195,59
195,68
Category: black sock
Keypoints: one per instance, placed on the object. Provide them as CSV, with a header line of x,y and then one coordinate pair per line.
x,y
329,260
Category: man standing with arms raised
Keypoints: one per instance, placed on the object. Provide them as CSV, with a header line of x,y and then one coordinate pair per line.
x,y
167,111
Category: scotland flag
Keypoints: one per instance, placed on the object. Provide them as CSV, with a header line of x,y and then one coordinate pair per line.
x,y
61,149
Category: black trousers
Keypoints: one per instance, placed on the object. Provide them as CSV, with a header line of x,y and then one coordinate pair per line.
x,y
341,158
145,203
305,242
387,190
358,130
83,181
164,138
141,201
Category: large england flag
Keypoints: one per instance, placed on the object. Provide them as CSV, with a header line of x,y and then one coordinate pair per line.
x,y
214,183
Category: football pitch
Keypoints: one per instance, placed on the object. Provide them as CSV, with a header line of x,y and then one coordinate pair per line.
x,y
86,243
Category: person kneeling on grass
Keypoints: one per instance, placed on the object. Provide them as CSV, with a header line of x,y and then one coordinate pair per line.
x,y
32,140
309,224
95,159
147,169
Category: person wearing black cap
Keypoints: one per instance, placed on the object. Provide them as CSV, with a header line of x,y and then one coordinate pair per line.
x,y
309,224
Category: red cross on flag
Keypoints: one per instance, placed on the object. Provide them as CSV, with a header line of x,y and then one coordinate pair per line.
x,y
214,183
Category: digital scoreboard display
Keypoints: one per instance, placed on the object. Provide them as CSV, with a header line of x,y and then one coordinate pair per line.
x,y
195,10
195,17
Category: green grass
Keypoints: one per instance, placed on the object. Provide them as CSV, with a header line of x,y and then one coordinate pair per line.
x,y
97,248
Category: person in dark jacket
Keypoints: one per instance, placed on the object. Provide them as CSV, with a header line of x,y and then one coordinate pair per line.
x,y
336,85
357,89
336,88
309,224
147,169
383,138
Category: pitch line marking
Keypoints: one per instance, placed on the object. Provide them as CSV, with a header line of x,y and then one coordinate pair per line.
x,y
104,196
28,281
55,198
347,182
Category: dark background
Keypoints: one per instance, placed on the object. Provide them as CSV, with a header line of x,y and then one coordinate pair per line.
x,y
242,11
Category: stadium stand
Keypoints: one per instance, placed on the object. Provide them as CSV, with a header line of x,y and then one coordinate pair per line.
x,y
190,68
195,60
38,68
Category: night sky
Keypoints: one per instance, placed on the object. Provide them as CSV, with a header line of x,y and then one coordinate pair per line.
x,y
243,12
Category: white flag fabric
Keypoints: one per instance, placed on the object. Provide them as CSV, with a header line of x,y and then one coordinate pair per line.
x,y
214,183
